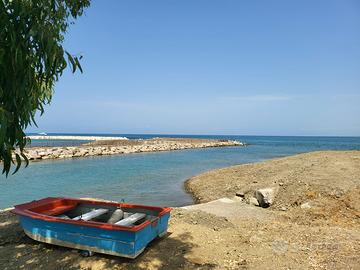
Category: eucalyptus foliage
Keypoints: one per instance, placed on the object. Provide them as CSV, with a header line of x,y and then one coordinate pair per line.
x,y
32,59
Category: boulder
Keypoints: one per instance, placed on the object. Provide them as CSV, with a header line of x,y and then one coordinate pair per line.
x,y
265,196
253,201
81,154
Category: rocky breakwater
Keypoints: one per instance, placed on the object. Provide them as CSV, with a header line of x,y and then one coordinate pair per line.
x,y
113,147
74,138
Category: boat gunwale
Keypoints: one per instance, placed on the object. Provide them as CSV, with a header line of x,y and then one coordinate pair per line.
x,y
24,210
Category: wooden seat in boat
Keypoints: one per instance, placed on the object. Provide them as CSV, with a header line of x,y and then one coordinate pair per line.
x,y
131,219
92,214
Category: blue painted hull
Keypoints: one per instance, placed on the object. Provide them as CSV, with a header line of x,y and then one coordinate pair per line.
x,y
114,242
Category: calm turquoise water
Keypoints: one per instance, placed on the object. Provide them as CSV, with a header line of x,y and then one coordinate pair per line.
x,y
151,178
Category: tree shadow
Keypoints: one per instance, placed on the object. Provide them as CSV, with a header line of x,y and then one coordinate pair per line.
x,y
17,251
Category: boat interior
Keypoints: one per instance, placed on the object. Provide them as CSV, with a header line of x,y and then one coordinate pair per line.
x,y
123,215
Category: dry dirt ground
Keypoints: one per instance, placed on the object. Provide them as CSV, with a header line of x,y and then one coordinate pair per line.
x,y
237,235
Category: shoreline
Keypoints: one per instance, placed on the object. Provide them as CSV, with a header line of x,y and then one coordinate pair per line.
x,y
313,222
228,182
124,146
316,202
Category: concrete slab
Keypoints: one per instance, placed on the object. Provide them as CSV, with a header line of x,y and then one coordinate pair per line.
x,y
233,209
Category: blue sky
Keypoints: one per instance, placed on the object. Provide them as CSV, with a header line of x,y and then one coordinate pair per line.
x,y
212,67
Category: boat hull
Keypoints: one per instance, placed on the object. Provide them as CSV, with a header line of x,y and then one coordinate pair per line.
x,y
124,243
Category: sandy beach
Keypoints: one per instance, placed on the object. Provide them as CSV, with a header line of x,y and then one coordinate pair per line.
x,y
313,222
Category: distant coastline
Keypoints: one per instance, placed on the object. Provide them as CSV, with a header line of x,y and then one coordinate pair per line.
x,y
70,137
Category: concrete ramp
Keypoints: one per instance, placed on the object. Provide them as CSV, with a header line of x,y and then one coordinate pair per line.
x,y
233,209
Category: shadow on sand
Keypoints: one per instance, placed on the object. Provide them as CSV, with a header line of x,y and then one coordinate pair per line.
x,y
17,251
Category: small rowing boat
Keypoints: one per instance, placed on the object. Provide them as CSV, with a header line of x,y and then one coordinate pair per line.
x,y
113,228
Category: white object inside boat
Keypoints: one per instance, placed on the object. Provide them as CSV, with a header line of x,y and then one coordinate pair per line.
x,y
117,215
127,214
92,214
131,219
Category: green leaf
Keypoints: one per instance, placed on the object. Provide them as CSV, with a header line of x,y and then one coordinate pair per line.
x,y
18,161
72,61
78,64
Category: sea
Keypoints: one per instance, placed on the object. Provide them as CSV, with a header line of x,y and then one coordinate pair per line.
x,y
148,178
